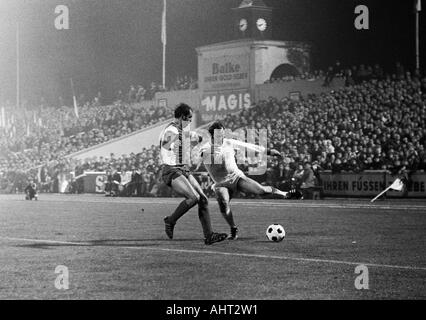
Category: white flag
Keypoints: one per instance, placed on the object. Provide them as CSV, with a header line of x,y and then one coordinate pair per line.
x,y
39,174
397,185
163,25
3,118
419,5
75,106
74,99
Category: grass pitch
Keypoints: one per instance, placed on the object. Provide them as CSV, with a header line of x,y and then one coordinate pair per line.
x,y
115,250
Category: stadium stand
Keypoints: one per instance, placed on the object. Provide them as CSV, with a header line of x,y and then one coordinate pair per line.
x,y
376,122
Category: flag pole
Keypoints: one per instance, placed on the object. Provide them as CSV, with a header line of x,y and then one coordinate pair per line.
x,y
72,87
163,38
382,193
17,68
74,99
418,8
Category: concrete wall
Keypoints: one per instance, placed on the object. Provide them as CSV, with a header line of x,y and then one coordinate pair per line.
x,y
127,144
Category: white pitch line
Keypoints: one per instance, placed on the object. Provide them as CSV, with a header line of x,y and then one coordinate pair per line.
x,y
210,252
47,241
330,206
284,204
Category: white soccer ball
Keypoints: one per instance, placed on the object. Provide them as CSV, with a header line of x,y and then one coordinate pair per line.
x,y
275,233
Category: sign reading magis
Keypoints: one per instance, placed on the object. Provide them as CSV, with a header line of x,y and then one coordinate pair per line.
x,y
225,73
214,106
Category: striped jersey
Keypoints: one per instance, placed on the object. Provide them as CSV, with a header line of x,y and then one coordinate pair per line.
x,y
172,154
177,152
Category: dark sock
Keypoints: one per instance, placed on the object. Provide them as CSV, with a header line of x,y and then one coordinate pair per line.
x,y
182,208
204,216
229,218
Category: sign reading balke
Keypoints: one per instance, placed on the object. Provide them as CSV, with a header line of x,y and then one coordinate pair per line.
x,y
226,68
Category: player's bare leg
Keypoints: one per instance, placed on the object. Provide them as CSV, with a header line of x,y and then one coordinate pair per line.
x,y
249,185
204,215
223,198
183,187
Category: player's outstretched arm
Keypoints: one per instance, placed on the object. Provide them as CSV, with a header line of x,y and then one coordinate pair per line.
x,y
236,144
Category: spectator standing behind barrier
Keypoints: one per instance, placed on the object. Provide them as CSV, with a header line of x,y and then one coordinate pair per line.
x,y
135,184
116,180
308,181
297,175
316,168
331,73
125,180
108,183
145,183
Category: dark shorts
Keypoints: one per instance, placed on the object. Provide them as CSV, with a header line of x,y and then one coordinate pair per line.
x,y
169,173
231,183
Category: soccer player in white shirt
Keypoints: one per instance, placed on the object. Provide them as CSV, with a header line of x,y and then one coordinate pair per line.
x,y
226,175
176,174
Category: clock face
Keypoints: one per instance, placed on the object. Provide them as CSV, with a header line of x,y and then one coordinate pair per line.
x,y
243,25
261,24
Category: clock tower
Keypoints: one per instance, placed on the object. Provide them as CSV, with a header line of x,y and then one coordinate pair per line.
x,y
253,19
232,74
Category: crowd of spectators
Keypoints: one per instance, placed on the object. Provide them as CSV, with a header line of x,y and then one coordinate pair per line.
x,y
352,75
309,76
32,138
144,168
184,83
332,72
375,123
140,93
144,177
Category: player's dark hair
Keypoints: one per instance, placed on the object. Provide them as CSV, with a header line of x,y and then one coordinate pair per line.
x,y
182,110
215,125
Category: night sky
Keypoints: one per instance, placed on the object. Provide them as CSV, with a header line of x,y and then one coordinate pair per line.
x,y
112,44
